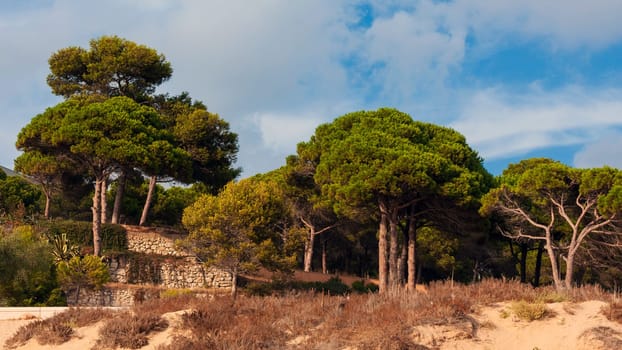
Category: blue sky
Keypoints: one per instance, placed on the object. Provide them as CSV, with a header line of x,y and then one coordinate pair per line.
x,y
519,79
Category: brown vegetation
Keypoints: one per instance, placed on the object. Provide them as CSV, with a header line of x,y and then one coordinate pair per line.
x,y
300,320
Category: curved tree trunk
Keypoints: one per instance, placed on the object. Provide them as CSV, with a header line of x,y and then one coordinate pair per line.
x,y
569,270
118,198
554,266
152,185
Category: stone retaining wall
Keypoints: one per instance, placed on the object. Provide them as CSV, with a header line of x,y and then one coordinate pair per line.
x,y
151,240
182,271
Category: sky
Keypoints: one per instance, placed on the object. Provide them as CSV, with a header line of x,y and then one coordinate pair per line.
x,y
519,79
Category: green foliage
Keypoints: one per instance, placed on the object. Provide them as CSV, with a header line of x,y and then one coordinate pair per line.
x,y
437,249
527,311
112,66
62,249
169,206
211,146
334,286
114,237
364,288
27,275
240,229
19,197
88,272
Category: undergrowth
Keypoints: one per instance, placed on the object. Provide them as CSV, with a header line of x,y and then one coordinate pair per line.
x,y
298,319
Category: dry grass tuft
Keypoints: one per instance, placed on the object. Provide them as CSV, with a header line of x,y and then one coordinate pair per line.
x,y
24,334
57,329
126,330
613,311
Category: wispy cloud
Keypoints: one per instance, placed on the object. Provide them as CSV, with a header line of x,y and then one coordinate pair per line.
x,y
275,68
501,124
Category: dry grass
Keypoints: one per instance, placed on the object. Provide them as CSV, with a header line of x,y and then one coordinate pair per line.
x,y
127,330
59,328
613,311
307,320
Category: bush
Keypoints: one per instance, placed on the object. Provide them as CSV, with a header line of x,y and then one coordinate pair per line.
x,y
114,237
362,288
89,272
130,331
27,276
334,286
529,311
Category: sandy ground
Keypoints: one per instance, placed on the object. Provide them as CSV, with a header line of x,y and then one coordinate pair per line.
x,y
569,327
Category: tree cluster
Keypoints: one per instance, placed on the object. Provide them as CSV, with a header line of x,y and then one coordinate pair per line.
x,y
375,193
112,126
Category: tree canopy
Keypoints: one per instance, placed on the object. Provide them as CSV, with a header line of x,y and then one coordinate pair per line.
x,y
99,136
112,66
385,163
542,199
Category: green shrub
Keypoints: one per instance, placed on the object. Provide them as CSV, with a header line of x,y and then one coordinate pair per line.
x,y
529,311
362,288
27,274
334,286
114,237
88,272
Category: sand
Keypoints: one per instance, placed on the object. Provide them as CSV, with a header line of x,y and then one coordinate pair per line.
x,y
570,326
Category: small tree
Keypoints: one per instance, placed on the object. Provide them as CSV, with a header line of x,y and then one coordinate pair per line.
x,y
88,272
240,229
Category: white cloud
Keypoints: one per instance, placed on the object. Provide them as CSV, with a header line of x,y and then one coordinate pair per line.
x,y
274,68
606,150
281,132
499,124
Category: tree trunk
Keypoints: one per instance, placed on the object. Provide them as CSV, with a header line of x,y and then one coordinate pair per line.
x,y
538,268
412,245
524,250
234,285
382,254
554,266
324,265
308,256
152,185
97,218
104,204
46,212
118,198
393,251
402,261
569,269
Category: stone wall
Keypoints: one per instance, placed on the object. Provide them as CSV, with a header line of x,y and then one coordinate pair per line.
x,y
182,270
154,240
175,273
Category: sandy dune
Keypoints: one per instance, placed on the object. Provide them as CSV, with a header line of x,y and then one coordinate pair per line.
x,y
579,326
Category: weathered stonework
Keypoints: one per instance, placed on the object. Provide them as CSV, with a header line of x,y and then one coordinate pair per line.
x,y
150,240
